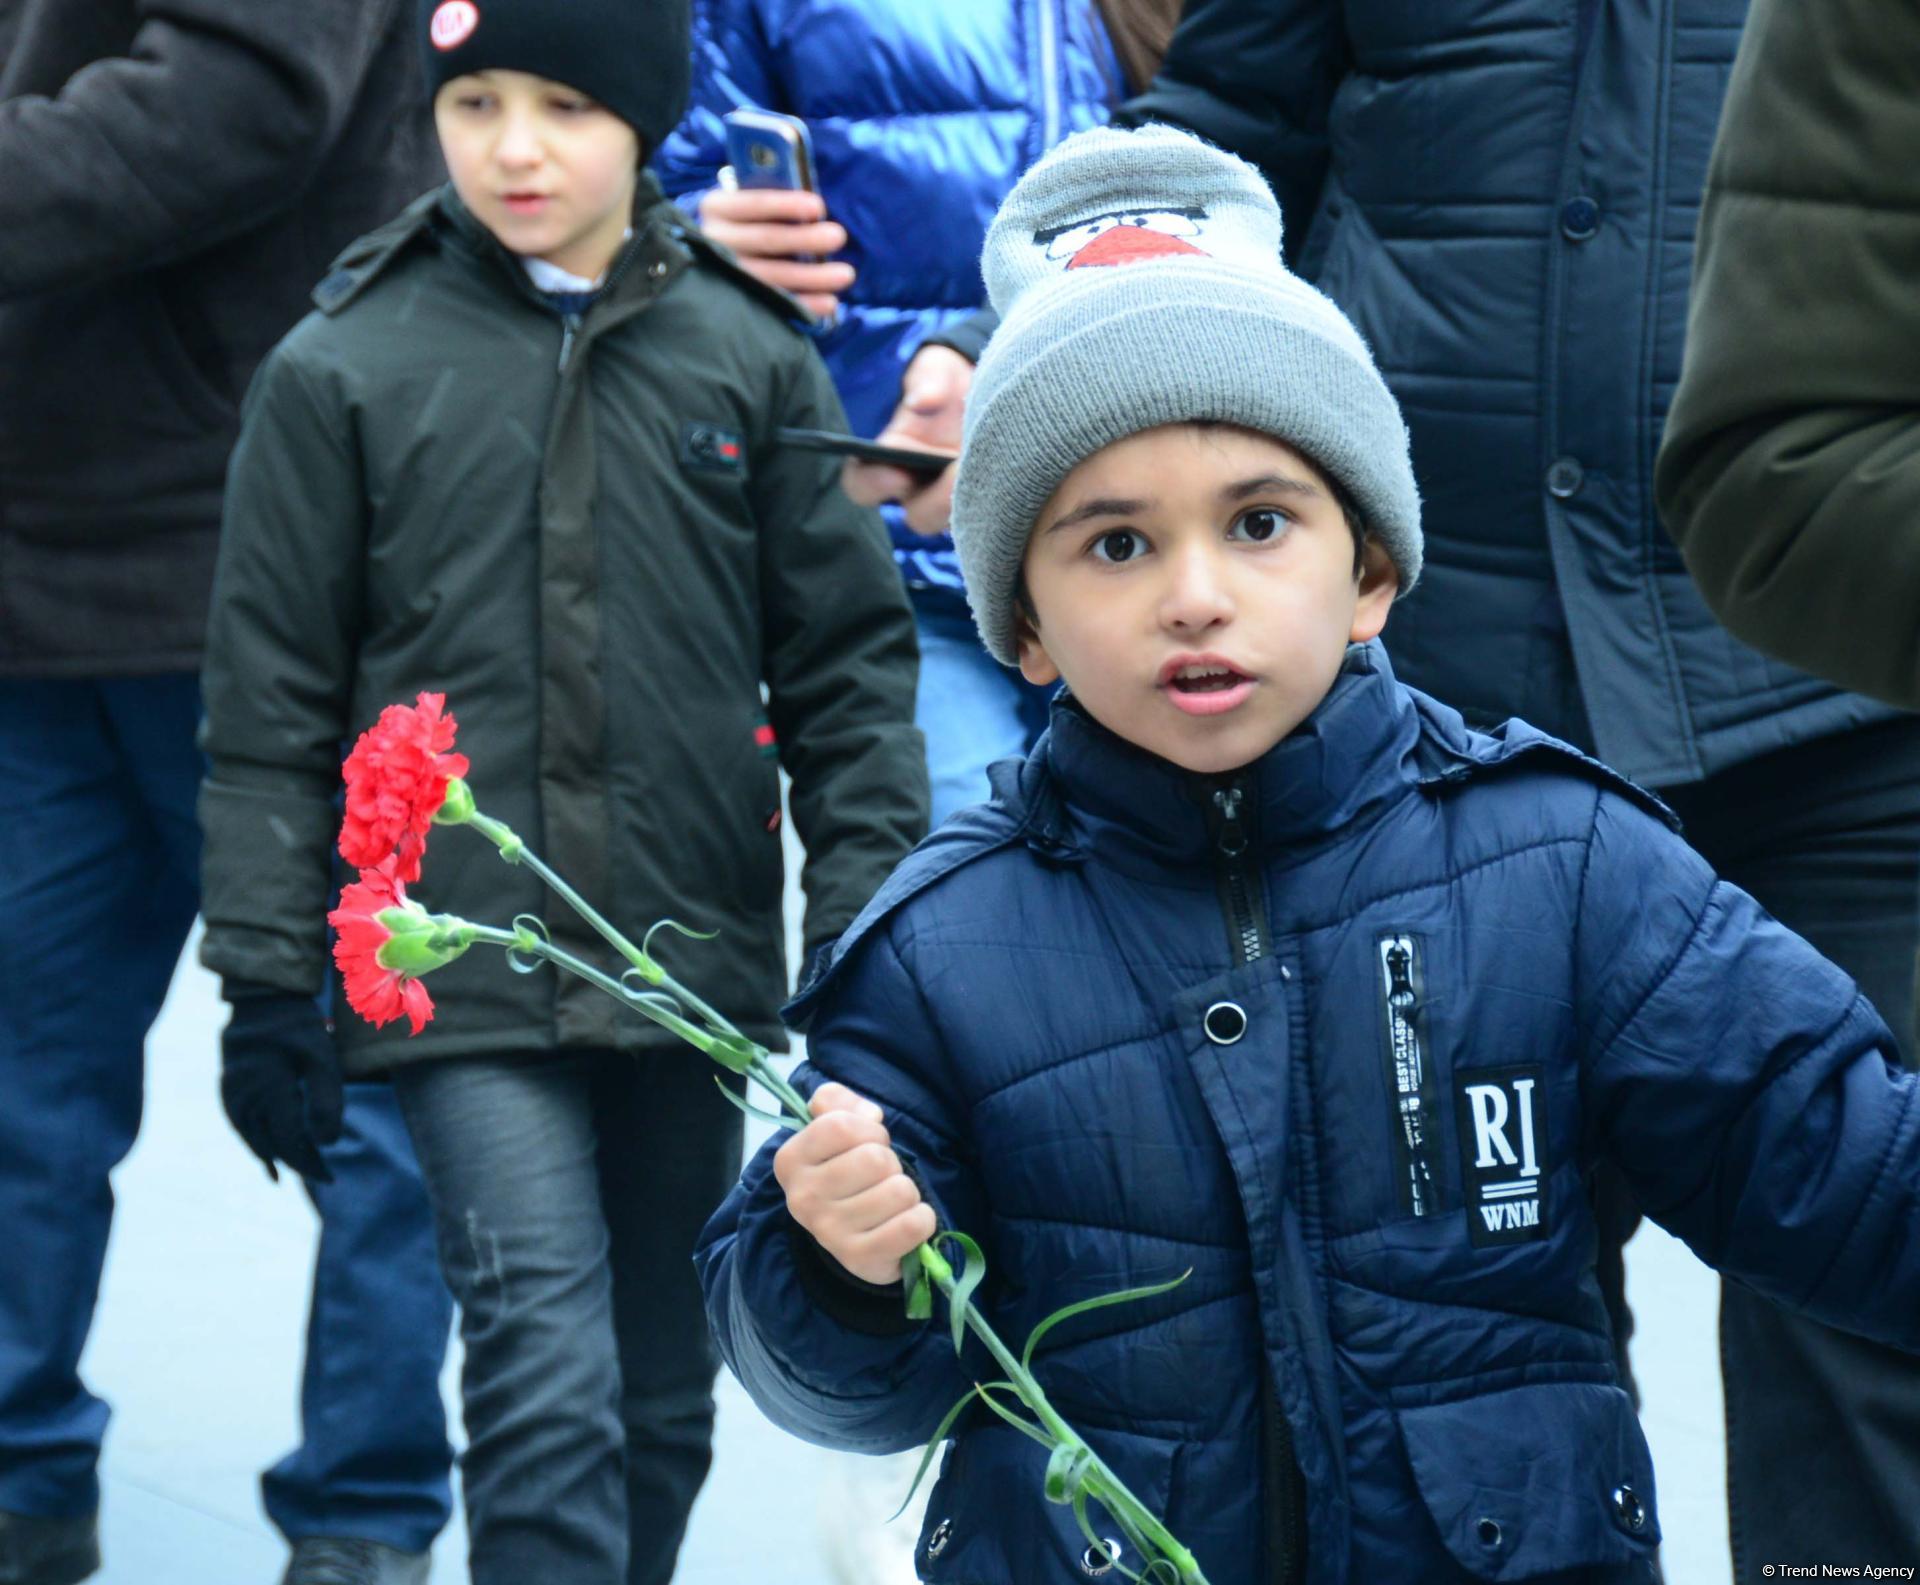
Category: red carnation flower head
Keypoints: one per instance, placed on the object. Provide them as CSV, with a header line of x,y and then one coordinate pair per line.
x,y
385,943
397,778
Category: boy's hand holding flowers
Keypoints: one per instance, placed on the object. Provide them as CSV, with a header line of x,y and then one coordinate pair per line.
x,y
846,1187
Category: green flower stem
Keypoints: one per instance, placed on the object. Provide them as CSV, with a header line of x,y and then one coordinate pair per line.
x,y
760,1068
1100,1483
515,851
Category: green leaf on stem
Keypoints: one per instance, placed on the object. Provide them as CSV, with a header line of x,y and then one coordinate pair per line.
x,y
1067,1312
1086,1525
1067,1471
964,1283
529,927
933,1447
653,970
749,1108
1024,1427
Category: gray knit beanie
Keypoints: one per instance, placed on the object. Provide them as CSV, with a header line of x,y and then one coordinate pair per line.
x,y
1197,319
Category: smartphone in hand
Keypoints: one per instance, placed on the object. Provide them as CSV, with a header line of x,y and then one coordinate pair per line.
x,y
768,149
913,459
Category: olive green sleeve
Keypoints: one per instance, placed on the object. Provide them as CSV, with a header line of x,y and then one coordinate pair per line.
x,y
282,646
842,663
1790,469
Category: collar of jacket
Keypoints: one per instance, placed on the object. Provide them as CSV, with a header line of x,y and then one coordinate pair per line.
x,y
1087,792
646,261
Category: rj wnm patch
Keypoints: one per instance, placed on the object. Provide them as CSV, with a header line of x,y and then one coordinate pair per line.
x,y
1501,1117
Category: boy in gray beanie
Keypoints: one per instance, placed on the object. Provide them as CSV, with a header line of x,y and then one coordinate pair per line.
x,y
1265,978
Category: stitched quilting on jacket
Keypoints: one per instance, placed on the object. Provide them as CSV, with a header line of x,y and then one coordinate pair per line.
x,y
1340,1036
1501,194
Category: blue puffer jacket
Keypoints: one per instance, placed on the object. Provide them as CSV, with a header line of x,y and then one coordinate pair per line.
x,y
1502,195
923,114
1462,968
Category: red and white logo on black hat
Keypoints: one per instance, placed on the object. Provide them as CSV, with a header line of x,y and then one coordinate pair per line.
x,y
453,23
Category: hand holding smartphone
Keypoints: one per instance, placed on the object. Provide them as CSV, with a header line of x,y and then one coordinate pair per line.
x,y
771,217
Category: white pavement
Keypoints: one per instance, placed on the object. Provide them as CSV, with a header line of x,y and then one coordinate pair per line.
x,y
198,1338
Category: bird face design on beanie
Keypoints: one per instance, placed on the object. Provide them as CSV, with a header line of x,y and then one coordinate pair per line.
x,y
1117,197
1123,235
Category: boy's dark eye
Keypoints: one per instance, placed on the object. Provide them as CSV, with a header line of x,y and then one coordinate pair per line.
x,y
1117,545
1260,525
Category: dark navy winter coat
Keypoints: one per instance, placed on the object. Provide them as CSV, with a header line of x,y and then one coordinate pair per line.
x,y
923,114
1502,195
1461,969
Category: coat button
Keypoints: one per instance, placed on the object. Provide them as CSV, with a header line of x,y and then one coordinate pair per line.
x,y
657,269
1579,219
942,1534
1564,478
1225,1022
1629,1509
1100,1560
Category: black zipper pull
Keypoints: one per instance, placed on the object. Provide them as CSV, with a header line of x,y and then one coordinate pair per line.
x,y
569,324
1400,994
1230,836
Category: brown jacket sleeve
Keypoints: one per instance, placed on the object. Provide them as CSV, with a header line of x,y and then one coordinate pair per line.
x,y
1790,471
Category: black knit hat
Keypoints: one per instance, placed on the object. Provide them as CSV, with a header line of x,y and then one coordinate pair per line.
x,y
632,56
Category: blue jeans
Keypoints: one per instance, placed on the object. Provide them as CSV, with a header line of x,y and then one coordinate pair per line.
x,y
99,882
568,1191
971,709
374,1461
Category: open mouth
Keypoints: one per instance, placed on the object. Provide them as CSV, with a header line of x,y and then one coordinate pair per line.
x,y
1205,679
1204,685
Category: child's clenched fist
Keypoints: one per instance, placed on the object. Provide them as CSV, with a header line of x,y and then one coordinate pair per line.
x,y
846,1187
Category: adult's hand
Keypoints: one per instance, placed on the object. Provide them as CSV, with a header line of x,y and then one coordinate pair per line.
x,y
932,410
280,1080
782,236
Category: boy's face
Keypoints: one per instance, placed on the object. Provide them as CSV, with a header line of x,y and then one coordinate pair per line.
x,y
540,165
1195,586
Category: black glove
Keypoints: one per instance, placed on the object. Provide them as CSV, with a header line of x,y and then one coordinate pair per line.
x,y
280,1079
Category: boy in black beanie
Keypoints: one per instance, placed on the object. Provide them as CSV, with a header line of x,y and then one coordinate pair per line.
x,y
524,455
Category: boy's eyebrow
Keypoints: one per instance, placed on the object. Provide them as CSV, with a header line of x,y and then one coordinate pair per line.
x,y
1270,483
1100,506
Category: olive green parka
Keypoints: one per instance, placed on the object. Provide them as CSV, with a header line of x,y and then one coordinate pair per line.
x,y
1790,468
583,534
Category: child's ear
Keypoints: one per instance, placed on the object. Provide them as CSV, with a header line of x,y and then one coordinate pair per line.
x,y
1379,582
1036,665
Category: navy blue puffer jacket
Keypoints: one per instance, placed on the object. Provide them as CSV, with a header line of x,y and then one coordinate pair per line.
x,y
1502,195
1462,968
923,114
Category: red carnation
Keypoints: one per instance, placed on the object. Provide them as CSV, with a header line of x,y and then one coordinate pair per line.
x,y
376,992
397,778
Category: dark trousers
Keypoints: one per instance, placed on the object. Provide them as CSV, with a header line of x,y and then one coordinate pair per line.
x,y
568,1192
99,882
1823,1429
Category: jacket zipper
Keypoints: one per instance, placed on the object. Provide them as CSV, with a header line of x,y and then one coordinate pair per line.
x,y
1239,882
1049,75
1400,988
570,323
1244,905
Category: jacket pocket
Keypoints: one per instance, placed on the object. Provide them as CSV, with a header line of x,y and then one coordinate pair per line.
x,y
989,1522
1536,1482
